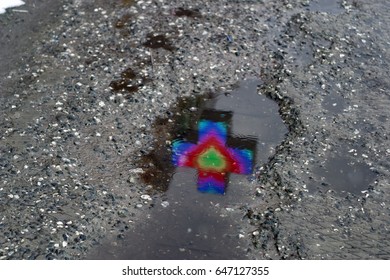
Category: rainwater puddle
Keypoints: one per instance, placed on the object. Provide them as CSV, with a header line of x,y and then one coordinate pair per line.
x,y
326,6
345,172
189,219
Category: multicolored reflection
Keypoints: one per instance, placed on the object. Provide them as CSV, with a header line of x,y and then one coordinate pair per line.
x,y
212,156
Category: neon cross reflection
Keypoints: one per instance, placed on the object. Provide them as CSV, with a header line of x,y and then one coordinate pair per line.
x,y
215,154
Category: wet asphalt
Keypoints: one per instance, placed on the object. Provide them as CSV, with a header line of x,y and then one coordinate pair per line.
x,y
76,124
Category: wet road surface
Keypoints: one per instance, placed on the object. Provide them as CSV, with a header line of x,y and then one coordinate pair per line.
x,y
76,123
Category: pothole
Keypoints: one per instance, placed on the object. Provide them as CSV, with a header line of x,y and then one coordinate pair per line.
x,y
252,123
186,220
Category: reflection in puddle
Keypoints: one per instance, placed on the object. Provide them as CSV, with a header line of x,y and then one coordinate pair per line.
x,y
184,223
211,155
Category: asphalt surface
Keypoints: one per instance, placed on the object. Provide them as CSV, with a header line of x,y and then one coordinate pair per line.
x,y
82,84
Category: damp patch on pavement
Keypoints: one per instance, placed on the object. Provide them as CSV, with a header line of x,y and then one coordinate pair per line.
x,y
326,6
343,175
158,41
344,171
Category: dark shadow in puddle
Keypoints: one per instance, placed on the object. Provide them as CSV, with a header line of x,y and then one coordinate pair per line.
x,y
180,121
188,224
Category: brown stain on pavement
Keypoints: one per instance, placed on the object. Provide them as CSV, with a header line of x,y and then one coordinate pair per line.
x,y
181,12
158,41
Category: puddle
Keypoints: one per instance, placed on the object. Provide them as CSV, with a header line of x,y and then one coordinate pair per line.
x,y
186,220
214,153
334,103
326,6
343,172
253,123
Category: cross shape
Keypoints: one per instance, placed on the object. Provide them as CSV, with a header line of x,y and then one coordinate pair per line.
x,y
215,154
